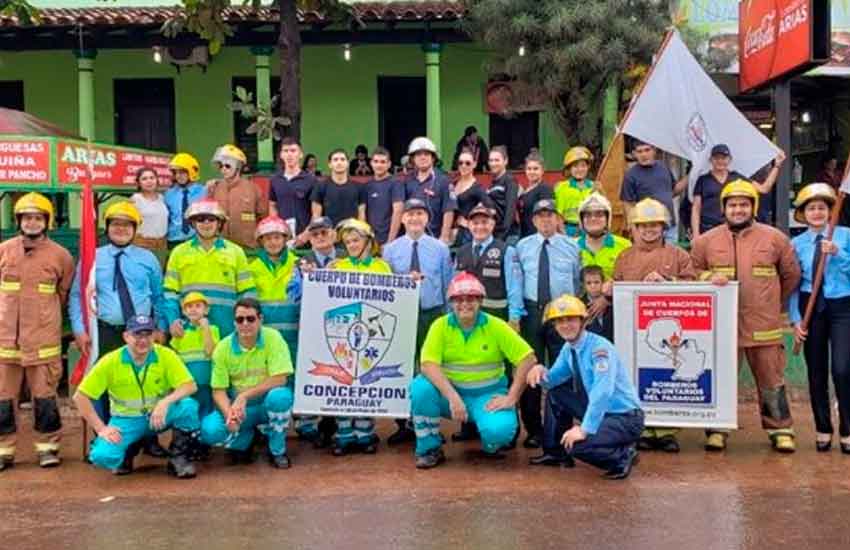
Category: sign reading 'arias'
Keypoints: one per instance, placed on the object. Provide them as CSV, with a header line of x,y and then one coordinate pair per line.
x,y
779,38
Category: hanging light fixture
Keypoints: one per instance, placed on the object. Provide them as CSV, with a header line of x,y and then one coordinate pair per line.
x,y
521,50
346,52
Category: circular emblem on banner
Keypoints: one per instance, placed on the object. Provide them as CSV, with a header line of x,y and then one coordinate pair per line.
x,y
494,253
358,336
697,133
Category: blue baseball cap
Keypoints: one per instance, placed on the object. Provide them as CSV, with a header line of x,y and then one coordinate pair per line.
x,y
140,323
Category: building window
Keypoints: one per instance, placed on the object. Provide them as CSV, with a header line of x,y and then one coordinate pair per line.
x,y
144,113
518,133
241,138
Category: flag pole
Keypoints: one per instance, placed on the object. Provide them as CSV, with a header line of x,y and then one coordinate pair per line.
x,y
637,95
821,267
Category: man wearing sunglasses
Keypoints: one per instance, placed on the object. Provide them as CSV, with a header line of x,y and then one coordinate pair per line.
x,y
242,201
208,264
249,373
149,388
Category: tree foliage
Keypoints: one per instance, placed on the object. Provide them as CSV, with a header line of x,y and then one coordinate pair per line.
x,y
23,10
571,49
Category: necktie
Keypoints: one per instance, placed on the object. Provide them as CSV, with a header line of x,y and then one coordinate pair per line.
x,y
183,207
324,261
820,303
544,292
578,383
120,284
479,248
414,257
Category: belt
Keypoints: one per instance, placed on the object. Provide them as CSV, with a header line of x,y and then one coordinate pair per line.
x,y
633,412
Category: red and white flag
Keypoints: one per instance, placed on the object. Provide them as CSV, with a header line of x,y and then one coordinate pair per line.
x,y
88,300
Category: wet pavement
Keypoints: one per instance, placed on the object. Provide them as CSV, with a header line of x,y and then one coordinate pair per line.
x,y
746,498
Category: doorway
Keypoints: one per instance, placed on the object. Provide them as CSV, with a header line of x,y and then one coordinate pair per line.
x,y
144,113
401,112
12,94
518,133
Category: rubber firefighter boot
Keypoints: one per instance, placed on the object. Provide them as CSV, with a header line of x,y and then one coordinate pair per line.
x,y
179,465
715,441
783,443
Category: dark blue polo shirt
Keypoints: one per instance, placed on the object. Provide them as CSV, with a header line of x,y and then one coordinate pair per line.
x,y
380,197
437,194
292,197
655,181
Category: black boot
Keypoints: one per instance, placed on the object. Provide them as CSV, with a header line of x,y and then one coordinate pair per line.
x,y
179,464
468,432
126,467
403,434
151,447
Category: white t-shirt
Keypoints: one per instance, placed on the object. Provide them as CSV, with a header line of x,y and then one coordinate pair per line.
x,y
154,216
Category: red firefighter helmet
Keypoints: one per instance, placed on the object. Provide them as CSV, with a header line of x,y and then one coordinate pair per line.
x,y
466,284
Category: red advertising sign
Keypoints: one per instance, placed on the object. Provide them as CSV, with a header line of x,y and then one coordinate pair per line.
x,y
693,311
25,162
109,166
777,38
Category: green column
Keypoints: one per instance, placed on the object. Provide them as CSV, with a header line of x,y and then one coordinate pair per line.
x,y
433,113
85,108
610,110
265,147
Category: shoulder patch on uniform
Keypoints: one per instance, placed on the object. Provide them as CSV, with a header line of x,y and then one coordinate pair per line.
x,y
601,365
494,253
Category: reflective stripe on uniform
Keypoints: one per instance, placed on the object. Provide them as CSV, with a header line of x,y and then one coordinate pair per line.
x,y
46,447
494,304
192,356
765,335
47,353
472,368
764,271
136,407
10,286
10,353
728,271
47,288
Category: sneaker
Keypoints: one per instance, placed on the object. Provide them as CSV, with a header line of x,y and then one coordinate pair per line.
x,y
431,459
49,459
547,459
402,435
668,444
281,462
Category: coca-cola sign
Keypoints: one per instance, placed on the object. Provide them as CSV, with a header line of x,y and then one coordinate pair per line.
x,y
779,38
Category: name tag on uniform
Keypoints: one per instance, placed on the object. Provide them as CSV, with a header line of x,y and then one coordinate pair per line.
x,y
491,272
248,216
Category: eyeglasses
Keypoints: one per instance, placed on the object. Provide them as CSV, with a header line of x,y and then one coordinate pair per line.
x,y
242,319
227,165
465,163
205,219
595,214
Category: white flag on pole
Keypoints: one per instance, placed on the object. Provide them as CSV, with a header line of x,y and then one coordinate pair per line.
x,y
682,111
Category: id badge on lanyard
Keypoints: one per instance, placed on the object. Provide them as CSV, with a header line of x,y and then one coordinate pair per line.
x,y
141,383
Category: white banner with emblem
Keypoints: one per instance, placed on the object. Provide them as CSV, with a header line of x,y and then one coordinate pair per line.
x,y
679,340
356,343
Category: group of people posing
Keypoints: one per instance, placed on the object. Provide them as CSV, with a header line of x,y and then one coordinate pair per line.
x,y
207,347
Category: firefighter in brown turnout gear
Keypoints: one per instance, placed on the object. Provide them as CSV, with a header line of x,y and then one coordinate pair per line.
x,y
35,277
762,260
652,260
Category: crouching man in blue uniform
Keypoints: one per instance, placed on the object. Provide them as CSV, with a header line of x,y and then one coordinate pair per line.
x,y
149,391
587,383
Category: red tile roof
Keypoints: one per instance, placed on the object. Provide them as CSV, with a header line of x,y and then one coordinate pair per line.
x,y
126,16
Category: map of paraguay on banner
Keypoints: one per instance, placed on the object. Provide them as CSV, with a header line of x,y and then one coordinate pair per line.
x,y
357,336
679,341
674,364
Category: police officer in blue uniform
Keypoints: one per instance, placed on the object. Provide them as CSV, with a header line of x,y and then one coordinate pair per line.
x,y
587,382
